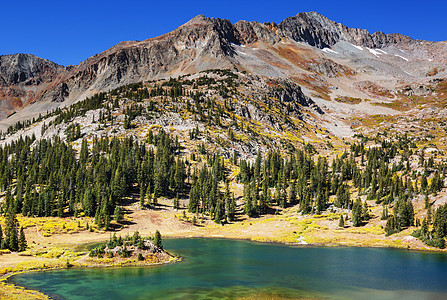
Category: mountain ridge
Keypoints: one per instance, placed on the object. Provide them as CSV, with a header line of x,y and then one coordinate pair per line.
x,y
205,43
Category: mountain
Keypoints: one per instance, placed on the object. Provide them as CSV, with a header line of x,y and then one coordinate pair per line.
x,y
24,78
327,59
281,130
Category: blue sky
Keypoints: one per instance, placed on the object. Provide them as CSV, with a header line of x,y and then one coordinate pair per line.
x,y
68,32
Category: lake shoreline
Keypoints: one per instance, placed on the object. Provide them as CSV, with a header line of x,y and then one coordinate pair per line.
x,y
24,291
289,228
194,242
425,249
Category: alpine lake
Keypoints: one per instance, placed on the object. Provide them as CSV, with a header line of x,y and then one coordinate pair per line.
x,y
230,269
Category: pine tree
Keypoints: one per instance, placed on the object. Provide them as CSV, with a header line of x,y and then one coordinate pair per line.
x,y
365,212
424,229
429,214
424,184
384,213
218,212
341,222
292,193
13,241
426,202
22,241
157,240
11,230
440,221
232,209
118,214
176,202
392,226
106,221
357,213
179,176
8,200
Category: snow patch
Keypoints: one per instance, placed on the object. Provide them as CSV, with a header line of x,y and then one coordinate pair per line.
x,y
358,47
374,52
380,50
329,50
406,59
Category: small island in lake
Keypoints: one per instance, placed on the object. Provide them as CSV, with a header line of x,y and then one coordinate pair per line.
x,y
132,250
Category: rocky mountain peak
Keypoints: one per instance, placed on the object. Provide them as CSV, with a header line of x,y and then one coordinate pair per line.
x,y
205,43
319,31
197,20
19,68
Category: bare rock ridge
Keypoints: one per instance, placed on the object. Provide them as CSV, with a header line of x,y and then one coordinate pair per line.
x,y
308,27
319,31
26,69
24,78
200,44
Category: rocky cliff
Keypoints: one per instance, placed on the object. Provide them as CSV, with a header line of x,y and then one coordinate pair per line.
x,y
23,79
201,44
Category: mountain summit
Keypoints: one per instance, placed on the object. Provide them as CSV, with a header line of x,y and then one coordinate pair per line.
x,y
326,57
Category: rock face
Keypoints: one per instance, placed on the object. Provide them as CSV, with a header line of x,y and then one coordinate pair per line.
x,y
200,44
319,31
26,69
23,79
328,68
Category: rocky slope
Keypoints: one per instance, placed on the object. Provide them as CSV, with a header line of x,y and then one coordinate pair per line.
x,y
327,59
23,79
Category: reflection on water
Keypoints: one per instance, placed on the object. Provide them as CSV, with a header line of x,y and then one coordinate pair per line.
x,y
219,269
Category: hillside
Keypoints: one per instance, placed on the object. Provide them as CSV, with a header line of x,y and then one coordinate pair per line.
x,y
327,59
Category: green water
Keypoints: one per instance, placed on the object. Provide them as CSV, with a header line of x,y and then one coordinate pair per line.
x,y
216,269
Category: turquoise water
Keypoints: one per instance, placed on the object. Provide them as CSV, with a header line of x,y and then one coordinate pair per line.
x,y
232,269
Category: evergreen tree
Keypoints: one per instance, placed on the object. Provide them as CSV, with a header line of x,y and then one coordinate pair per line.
x,y
384,213
365,212
424,184
392,226
440,221
11,240
426,202
232,209
118,214
22,245
292,193
157,239
357,213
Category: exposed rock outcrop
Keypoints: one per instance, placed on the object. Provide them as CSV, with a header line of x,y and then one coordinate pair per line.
x,y
23,79
329,68
200,44
319,31
26,69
